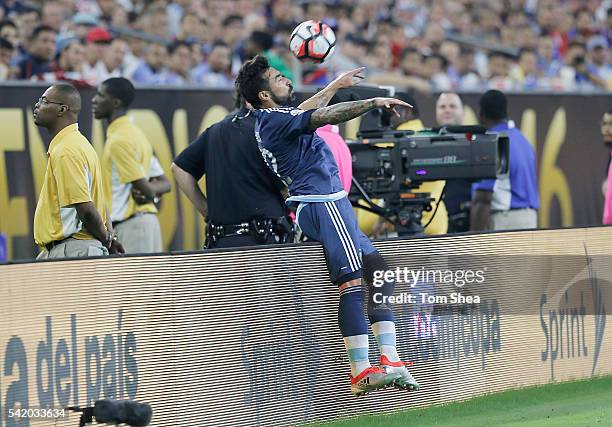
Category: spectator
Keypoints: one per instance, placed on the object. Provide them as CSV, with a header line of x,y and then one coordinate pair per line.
x,y
69,64
40,53
97,42
177,10
233,30
526,71
450,50
577,73
468,78
412,63
349,54
233,36
598,55
8,31
435,66
380,56
215,71
179,65
316,10
27,20
281,15
54,15
151,68
258,42
548,64
10,7
120,18
197,52
511,202
409,77
432,38
156,21
6,53
190,28
367,33
499,72
584,26
525,37
111,64
82,23
106,8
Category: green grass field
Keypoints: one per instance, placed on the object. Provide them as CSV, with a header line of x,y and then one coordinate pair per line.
x,y
577,403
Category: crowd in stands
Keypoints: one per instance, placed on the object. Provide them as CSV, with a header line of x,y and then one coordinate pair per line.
x,y
424,45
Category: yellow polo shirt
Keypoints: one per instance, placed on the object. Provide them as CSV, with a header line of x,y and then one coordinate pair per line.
x,y
73,176
126,158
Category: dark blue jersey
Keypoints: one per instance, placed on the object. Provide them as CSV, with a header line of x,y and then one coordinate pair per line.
x,y
298,155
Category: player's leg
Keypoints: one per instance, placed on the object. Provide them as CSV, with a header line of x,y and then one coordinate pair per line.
x,y
321,222
381,316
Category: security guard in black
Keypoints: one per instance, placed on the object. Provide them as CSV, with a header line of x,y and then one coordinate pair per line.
x,y
245,205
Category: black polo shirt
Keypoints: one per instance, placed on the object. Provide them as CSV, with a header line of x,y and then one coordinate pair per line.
x,y
239,185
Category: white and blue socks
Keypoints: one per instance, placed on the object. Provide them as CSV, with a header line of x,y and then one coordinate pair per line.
x,y
357,350
354,328
384,332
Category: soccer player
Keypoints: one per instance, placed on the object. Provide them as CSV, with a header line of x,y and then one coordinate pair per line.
x,y
70,214
304,162
126,164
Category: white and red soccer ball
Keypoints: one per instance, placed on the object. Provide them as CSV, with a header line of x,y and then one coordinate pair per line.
x,y
312,41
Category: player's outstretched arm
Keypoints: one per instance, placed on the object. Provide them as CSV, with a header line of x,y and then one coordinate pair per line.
x,y
345,111
322,98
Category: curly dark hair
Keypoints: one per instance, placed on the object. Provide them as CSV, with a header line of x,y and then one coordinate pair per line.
x,y
251,81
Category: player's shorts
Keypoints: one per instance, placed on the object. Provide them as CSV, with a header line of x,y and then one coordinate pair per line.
x,y
335,226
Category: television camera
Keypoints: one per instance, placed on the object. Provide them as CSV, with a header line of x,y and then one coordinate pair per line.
x,y
392,164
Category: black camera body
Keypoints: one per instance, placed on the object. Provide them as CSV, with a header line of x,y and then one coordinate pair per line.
x,y
391,165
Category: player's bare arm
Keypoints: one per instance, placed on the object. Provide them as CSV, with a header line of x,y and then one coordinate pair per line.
x,y
322,98
345,111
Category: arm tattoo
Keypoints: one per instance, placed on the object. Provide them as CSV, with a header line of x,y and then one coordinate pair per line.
x,y
340,113
318,100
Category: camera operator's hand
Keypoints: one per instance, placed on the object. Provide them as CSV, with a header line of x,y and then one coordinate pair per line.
x,y
391,105
349,78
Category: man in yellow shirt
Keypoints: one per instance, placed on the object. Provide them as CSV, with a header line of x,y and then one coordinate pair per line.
x,y
126,164
70,215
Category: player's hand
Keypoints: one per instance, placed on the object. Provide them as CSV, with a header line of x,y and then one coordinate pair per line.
x,y
391,105
349,78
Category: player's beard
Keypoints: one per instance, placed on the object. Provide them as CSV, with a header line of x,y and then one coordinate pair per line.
x,y
285,101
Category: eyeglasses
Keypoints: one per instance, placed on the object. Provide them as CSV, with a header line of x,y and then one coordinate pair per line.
x,y
43,100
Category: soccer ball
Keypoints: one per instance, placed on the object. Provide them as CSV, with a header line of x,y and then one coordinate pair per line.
x,y
312,41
